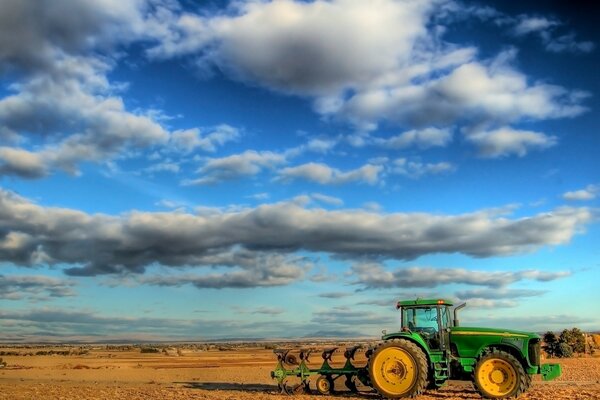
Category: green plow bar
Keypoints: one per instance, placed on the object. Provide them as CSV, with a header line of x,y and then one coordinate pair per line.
x,y
291,366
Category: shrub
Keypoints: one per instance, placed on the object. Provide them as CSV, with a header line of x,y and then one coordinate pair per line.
x,y
564,350
570,341
574,338
551,344
149,350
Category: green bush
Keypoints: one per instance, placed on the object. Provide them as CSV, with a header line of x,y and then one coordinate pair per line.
x,y
565,350
574,338
570,341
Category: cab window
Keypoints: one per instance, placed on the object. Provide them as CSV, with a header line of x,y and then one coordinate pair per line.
x,y
422,319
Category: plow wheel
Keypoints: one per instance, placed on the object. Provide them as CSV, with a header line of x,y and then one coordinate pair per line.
x,y
398,368
499,375
325,384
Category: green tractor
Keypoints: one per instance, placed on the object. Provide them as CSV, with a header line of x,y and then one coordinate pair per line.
x,y
430,349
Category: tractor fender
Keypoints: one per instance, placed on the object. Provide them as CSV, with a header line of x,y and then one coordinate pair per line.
x,y
413,337
507,347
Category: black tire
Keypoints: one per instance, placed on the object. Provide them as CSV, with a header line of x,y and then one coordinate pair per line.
x,y
499,375
411,365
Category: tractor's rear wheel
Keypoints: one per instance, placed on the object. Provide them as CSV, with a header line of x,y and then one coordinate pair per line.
x,y
499,375
398,368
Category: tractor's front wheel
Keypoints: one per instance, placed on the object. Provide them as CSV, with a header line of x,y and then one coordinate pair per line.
x,y
499,375
398,368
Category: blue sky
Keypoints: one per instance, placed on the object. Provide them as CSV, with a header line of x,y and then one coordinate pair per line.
x,y
182,170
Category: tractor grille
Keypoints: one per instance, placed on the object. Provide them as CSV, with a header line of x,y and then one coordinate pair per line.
x,y
534,352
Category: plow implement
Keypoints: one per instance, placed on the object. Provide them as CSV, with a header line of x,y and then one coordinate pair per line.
x,y
294,370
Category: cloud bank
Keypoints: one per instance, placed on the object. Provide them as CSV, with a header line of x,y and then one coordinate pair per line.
x,y
93,244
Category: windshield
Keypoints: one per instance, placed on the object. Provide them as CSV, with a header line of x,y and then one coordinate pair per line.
x,y
420,319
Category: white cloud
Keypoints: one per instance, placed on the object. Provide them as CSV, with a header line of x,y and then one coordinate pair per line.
x,y
568,43
421,138
60,97
330,200
506,141
374,276
528,24
315,47
91,244
416,169
367,62
35,287
589,193
166,166
325,175
545,28
248,163
259,196
173,204
191,139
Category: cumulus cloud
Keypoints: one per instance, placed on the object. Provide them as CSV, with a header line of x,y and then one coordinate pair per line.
x,y
250,270
61,109
421,138
367,62
310,54
35,287
527,24
416,169
92,244
189,140
568,44
374,276
166,166
590,192
248,163
506,141
545,29
98,124
326,175
61,96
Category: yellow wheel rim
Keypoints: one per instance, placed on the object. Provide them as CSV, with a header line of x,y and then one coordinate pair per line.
x,y
394,370
323,385
497,377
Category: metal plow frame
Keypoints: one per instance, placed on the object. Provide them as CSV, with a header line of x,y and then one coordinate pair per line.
x,y
288,366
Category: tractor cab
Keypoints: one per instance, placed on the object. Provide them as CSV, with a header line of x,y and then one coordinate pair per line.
x,y
430,319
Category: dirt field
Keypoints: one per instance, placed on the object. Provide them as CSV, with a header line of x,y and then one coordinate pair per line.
x,y
224,375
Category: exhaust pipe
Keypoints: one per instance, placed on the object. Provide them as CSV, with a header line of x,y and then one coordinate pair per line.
x,y
456,313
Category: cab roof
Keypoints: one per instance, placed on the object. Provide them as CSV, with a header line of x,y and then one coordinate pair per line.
x,y
423,302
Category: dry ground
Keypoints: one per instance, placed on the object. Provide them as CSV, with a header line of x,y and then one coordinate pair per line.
x,y
224,375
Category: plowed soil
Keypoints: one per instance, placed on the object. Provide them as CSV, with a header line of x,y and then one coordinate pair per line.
x,y
224,375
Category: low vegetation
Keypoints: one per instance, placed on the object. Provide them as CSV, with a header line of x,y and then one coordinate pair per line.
x,y
569,341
